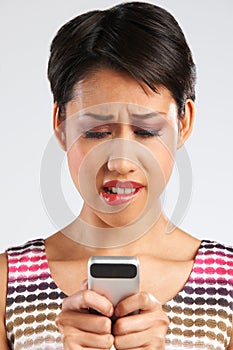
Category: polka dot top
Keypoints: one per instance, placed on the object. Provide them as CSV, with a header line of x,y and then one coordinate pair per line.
x,y
33,300
200,314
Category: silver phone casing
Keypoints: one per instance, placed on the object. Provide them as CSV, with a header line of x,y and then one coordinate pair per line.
x,y
115,289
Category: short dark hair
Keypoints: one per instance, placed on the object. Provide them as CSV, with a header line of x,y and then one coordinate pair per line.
x,y
139,38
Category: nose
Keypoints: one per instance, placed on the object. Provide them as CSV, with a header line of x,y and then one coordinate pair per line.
x,y
122,157
122,166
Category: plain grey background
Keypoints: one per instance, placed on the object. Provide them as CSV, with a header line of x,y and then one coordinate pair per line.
x,y
26,30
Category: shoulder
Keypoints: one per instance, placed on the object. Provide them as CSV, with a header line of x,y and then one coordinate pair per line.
x,y
9,262
216,249
26,260
3,284
12,256
3,292
214,264
35,244
3,277
24,253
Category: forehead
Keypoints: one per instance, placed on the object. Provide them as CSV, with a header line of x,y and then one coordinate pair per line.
x,y
118,113
106,86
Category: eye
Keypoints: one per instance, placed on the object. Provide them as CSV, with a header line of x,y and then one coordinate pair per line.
x,y
147,133
96,134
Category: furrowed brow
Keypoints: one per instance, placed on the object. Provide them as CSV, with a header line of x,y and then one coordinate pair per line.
x,y
97,116
147,115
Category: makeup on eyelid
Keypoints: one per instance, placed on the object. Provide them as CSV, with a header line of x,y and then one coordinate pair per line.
x,y
139,129
110,130
153,126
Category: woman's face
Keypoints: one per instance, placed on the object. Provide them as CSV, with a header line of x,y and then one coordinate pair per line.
x,y
121,142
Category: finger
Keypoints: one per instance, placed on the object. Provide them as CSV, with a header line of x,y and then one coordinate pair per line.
x,y
132,340
141,301
85,322
72,337
84,284
88,299
140,322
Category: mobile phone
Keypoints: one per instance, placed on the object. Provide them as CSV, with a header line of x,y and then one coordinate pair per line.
x,y
115,277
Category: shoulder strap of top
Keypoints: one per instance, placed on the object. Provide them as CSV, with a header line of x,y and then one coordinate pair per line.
x,y
33,299
201,313
27,262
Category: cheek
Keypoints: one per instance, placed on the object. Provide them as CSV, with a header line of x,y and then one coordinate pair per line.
x,y
81,162
75,157
169,147
164,153
166,161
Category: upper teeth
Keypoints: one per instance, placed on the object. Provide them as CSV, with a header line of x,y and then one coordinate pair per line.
x,y
120,190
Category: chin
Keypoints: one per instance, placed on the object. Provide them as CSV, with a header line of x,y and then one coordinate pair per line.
x,y
120,219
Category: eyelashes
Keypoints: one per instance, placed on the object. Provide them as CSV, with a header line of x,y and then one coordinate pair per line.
x,y
96,134
147,133
141,133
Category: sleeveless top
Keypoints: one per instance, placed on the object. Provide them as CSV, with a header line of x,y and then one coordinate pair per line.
x,y
200,314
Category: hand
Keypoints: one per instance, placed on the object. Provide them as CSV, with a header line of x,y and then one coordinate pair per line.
x,y
81,329
145,330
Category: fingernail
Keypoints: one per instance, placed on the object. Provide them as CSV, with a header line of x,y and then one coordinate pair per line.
x,y
116,312
111,311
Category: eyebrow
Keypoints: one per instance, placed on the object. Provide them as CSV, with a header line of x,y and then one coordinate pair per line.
x,y
97,116
111,117
147,115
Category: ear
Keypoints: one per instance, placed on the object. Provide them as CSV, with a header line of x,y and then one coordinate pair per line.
x,y
59,127
186,123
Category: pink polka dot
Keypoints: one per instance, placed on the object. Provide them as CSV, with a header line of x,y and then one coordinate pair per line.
x,y
24,259
12,269
198,270
13,261
199,261
209,261
23,268
221,271
210,270
35,258
44,266
220,262
34,267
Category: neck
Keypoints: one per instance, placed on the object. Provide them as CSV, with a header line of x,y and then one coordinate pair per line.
x,y
127,240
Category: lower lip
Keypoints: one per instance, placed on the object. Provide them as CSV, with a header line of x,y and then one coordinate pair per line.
x,y
118,199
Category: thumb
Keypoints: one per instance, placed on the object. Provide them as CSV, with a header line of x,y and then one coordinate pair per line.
x,y
84,284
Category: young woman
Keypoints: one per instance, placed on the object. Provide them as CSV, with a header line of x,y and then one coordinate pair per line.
x,y
123,82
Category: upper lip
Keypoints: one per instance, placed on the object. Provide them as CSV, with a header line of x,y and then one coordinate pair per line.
x,y
122,184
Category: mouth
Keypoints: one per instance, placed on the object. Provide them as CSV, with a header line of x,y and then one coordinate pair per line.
x,y
120,192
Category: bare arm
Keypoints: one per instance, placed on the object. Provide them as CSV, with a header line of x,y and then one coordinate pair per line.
x,y
3,291
230,346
